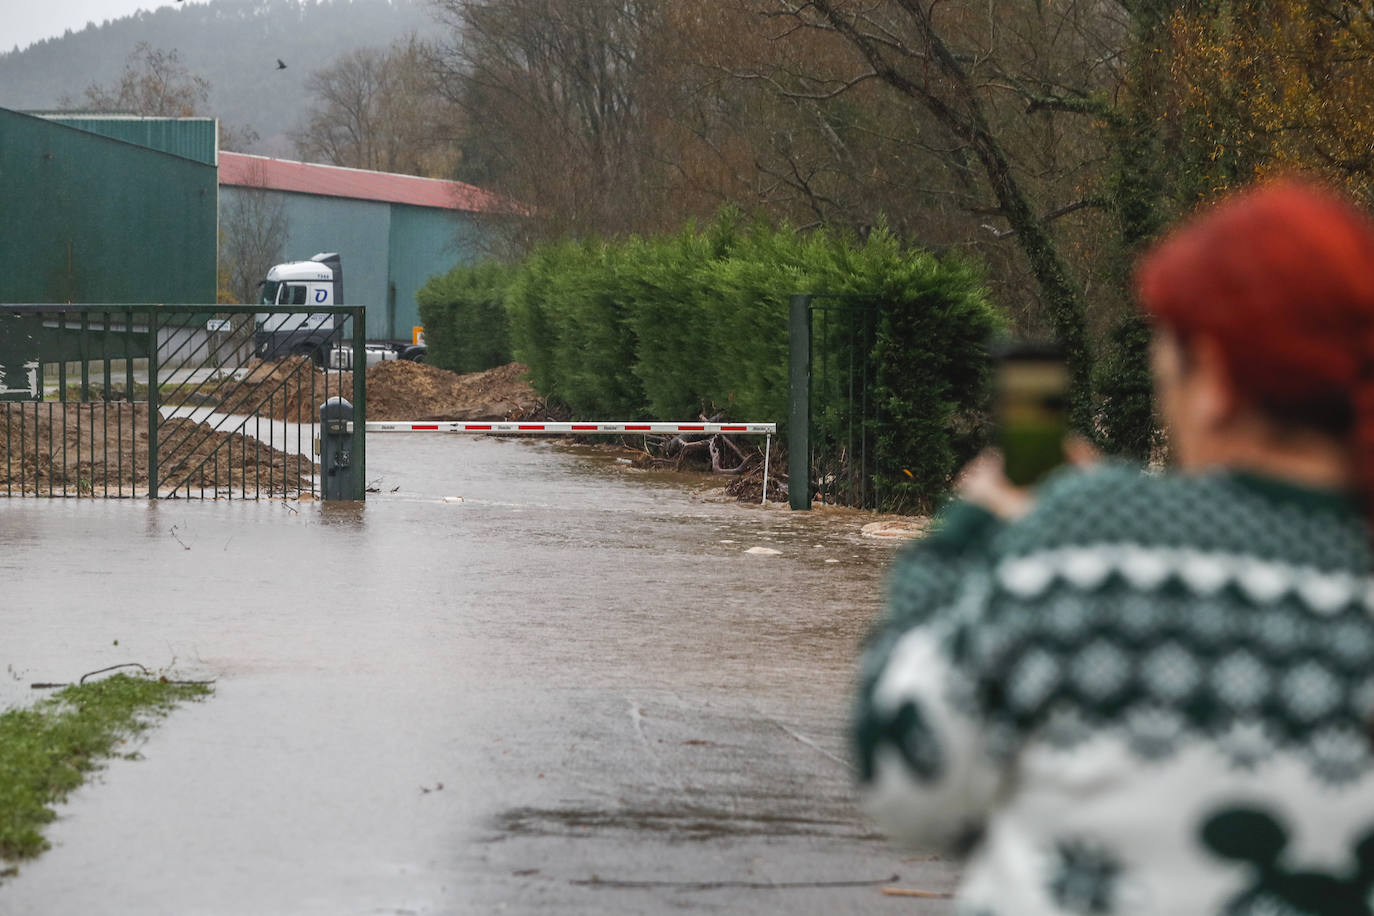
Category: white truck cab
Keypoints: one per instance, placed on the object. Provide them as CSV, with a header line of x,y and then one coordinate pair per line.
x,y
318,281
314,282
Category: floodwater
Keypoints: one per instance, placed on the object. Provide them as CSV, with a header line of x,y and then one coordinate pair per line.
x,y
571,692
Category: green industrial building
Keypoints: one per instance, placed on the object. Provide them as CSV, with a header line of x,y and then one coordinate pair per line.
x,y
107,209
392,232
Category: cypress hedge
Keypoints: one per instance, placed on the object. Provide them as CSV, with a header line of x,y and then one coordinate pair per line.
x,y
467,328
696,323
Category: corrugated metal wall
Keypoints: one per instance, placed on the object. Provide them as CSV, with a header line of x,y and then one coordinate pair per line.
x,y
425,242
84,218
389,251
189,138
357,230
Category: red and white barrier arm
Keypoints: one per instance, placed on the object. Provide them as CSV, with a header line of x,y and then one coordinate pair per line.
x,y
575,428
586,428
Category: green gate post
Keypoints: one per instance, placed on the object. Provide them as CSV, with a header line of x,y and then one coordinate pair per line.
x,y
154,352
799,385
359,450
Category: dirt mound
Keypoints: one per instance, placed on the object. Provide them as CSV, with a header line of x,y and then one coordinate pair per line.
x,y
195,457
400,390
290,389
102,449
293,388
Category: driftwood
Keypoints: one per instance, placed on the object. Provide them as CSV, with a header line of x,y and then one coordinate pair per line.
x,y
914,892
675,449
716,466
598,881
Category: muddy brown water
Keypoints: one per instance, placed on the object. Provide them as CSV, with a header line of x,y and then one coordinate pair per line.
x,y
572,692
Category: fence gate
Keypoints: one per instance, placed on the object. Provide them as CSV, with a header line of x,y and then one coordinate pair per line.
x,y
140,401
834,423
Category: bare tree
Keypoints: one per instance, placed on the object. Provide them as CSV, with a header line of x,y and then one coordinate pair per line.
x,y
381,109
154,83
986,81
252,235
554,92
238,139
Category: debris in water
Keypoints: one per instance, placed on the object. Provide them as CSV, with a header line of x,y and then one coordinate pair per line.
x,y
453,499
764,552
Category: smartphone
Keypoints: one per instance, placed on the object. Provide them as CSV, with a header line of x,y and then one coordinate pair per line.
x,y
1032,381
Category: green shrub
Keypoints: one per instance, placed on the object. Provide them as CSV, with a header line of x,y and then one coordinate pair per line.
x,y
467,328
593,341
697,322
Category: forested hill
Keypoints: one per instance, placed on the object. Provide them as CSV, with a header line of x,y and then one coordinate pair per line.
x,y
234,44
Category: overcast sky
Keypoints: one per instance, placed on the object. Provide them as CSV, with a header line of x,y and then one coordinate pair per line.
x,y
22,22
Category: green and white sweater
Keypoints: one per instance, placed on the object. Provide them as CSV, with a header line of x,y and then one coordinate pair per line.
x,y
1152,695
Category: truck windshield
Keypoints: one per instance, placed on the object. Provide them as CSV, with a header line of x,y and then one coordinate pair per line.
x,y
269,292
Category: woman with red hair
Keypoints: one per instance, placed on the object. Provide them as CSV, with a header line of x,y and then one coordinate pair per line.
x,y
1150,693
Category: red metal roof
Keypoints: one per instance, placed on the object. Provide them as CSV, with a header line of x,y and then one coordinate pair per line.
x,y
242,170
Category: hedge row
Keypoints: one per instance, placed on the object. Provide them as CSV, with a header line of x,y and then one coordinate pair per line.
x,y
464,315
697,323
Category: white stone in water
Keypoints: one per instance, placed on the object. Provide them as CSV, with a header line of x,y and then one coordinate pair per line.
x,y
904,530
453,499
726,541
764,552
832,560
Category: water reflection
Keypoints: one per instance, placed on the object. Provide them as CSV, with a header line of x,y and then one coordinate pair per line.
x,y
344,514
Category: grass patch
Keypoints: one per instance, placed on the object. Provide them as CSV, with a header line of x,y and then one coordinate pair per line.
x,y
46,751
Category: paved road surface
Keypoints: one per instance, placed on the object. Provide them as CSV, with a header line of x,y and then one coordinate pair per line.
x,y
573,692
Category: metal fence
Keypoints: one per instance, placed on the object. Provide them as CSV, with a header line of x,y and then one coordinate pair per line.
x,y
834,422
138,401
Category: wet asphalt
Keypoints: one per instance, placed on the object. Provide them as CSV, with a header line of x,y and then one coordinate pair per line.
x,y
571,692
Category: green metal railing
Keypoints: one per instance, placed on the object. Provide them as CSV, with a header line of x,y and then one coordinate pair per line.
x,y
138,401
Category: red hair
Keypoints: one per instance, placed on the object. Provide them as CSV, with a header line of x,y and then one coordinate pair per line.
x,y
1281,278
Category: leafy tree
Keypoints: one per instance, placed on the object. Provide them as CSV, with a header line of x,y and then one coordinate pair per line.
x,y
1274,86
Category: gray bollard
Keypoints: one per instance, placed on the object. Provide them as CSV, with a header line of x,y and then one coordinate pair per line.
x,y
336,441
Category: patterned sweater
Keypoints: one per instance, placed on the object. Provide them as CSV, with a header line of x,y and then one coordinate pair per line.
x,y
1152,695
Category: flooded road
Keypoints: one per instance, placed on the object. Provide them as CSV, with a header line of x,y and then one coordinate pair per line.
x,y
572,692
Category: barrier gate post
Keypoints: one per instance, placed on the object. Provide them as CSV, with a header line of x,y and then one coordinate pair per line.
x,y
336,441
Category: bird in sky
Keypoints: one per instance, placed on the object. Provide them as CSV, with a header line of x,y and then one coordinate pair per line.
x,y
281,65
